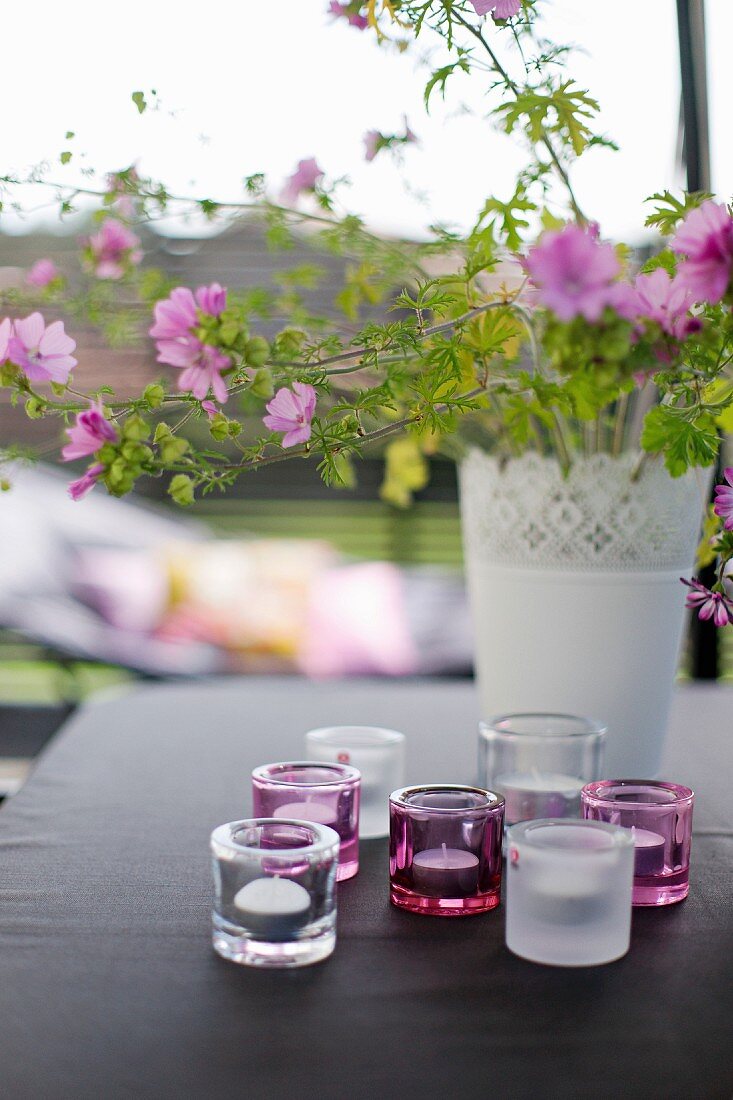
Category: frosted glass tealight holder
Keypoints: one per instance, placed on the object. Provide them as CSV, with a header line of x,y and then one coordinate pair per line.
x,y
379,754
568,891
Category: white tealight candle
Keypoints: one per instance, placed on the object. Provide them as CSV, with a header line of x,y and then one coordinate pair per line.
x,y
445,872
535,794
272,907
318,812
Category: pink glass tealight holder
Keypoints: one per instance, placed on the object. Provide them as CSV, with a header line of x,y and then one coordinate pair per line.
x,y
659,816
445,849
304,790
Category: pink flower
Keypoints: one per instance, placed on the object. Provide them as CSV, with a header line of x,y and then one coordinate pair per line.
x,y
500,9
624,300
176,320
211,299
724,499
84,484
291,411
176,317
304,178
573,273
202,365
708,604
210,409
706,238
113,250
6,331
42,273
372,142
91,431
353,18
409,138
43,354
666,301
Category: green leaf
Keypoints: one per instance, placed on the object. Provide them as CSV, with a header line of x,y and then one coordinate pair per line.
x,y
440,77
670,210
138,98
65,157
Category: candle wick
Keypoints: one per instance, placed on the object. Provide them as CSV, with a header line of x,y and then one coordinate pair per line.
x,y
445,853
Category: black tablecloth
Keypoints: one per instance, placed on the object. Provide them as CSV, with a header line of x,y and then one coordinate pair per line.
x,y
109,986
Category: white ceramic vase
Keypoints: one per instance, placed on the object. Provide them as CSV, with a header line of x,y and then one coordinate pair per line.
x,y
575,592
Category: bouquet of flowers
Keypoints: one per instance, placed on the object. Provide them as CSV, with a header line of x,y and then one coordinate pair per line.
x,y
583,349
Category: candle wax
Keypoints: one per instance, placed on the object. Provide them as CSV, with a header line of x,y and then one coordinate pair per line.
x,y
318,812
274,908
648,852
445,872
531,795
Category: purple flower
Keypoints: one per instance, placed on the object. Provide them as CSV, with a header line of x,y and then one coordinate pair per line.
x,y
573,273
43,354
341,11
706,238
113,250
176,317
304,178
666,301
91,431
202,365
708,604
211,299
291,411
500,9
623,298
372,143
42,273
6,331
724,499
84,484
210,409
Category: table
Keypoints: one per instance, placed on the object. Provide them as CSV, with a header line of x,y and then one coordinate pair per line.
x,y
109,987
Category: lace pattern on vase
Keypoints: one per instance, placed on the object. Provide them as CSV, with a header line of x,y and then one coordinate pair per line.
x,y
524,513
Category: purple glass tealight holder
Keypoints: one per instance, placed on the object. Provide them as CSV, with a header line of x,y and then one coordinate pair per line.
x,y
445,849
659,815
303,790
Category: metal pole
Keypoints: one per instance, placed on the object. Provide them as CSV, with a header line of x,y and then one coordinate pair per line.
x,y
704,662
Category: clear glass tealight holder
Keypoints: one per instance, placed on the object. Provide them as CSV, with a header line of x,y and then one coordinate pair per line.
x,y
659,817
568,891
274,892
378,754
445,849
311,790
540,762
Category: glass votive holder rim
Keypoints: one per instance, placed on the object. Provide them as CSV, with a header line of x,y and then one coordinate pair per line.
x,y
585,727
342,774
603,792
521,833
364,737
485,800
322,838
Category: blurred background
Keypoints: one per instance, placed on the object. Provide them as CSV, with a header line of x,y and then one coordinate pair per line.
x,y
282,574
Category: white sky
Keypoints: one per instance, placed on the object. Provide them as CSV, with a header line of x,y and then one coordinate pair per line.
x,y
254,85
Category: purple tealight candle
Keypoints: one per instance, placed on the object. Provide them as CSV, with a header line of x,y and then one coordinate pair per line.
x,y
648,852
445,872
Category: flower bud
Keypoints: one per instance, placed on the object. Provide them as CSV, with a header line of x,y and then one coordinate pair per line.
x,y
181,489
256,351
154,395
135,428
